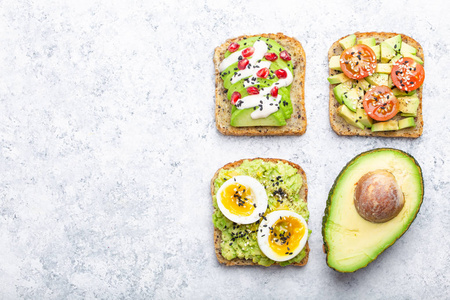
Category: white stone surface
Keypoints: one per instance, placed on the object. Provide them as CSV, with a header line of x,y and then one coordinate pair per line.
x,y
108,144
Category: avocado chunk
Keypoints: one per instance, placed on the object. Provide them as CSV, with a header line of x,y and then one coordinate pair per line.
x,y
395,58
377,50
338,78
340,89
351,98
242,118
417,59
387,52
409,104
362,116
378,79
335,63
390,125
363,85
395,42
406,123
390,82
384,68
351,242
369,42
398,92
348,42
349,116
408,49
408,115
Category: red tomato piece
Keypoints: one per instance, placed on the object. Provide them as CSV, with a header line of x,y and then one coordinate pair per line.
x,y
380,103
358,61
407,74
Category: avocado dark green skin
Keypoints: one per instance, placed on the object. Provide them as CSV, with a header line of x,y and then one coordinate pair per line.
x,y
327,208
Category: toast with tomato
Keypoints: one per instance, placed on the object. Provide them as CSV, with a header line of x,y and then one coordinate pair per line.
x,y
260,86
376,85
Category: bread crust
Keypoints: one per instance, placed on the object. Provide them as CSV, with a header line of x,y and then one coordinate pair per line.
x,y
217,233
340,126
296,124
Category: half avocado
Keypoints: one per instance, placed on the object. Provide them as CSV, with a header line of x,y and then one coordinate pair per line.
x,y
350,241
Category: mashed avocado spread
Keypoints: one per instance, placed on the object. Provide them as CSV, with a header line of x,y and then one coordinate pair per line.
x,y
282,184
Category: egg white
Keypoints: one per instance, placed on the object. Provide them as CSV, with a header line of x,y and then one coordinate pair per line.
x,y
260,199
264,234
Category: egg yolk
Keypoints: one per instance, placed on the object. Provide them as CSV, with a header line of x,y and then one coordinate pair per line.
x,y
285,235
238,200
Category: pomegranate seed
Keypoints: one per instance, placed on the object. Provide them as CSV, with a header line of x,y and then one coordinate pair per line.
x,y
285,55
270,56
235,97
274,91
233,47
248,52
263,73
252,90
243,63
281,73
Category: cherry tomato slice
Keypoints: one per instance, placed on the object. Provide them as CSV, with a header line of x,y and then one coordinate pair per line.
x,y
407,74
358,61
380,103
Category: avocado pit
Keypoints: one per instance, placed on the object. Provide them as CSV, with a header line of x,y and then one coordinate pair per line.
x,y
378,197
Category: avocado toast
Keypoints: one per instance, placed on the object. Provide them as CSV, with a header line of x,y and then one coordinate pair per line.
x,y
286,187
282,86
388,49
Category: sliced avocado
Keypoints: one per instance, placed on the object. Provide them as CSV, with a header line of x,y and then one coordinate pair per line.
x,y
338,78
384,68
377,50
348,42
417,59
406,123
351,242
363,84
242,118
362,116
334,63
378,79
408,115
398,92
340,89
351,98
395,42
387,52
409,104
369,42
349,116
285,104
385,126
395,58
408,49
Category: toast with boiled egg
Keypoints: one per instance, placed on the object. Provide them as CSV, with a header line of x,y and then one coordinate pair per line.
x,y
260,86
260,213
349,98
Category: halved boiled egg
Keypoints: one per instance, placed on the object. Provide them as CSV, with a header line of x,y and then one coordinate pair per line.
x,y
242,199
282,235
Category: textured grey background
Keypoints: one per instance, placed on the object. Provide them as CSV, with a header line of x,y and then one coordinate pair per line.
x,y
108,144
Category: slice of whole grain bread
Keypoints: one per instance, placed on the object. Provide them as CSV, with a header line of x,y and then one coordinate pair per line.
x,y
218,234
341,127
296,125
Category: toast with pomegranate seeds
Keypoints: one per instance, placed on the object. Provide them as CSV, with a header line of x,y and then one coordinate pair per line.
x,y
343,127
296,123
236,240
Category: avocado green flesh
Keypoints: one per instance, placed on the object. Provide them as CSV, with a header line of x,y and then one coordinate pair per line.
x,y
285,105
242,118
350,241
264,172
